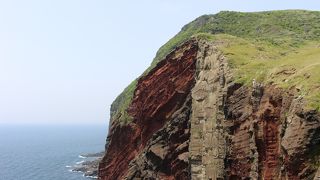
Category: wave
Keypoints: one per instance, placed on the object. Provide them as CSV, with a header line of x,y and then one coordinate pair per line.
x,y
92,177
80,162
82,157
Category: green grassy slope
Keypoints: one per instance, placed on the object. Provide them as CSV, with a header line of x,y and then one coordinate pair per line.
x,y
260,45
283,65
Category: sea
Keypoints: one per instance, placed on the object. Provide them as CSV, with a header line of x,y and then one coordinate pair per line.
x,y
47,152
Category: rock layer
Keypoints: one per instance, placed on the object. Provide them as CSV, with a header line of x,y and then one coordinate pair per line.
x,y
157,96
192,121
166,154
207,142
266,139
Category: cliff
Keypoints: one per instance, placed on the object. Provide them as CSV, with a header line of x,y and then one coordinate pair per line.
x,y
232,96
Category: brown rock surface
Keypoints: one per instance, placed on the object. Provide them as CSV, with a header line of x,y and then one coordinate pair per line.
x,y
192,121
166,155
157,96
270,137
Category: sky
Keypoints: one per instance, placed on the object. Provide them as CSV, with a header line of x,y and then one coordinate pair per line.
x,y
65,61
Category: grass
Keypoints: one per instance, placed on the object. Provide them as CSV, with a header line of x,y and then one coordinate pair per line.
x,y
276,27
258,45
283,65
118,111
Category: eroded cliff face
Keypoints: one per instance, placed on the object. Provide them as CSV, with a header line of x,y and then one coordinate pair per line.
x,y
271,136
157,97
193,121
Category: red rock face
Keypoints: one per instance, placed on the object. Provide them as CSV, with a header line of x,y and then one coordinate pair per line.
x,y
255,146
122,149
166,153
157,96
269,144
262,144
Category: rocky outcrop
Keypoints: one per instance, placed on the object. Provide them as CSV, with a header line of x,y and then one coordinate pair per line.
x,y
88,168
193,121
208,142
89,164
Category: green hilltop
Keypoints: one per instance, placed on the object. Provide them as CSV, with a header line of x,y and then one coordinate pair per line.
x,y
279,47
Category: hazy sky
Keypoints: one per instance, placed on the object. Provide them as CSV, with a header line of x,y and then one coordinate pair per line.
x,y
64,61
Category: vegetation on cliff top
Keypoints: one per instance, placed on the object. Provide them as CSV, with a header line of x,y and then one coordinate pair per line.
x,y
272,46
277,27
283,65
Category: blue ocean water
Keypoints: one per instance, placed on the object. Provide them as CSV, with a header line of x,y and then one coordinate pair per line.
x,y
42,152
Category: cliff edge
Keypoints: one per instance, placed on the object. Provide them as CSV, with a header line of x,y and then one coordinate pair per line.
x,y
232,96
